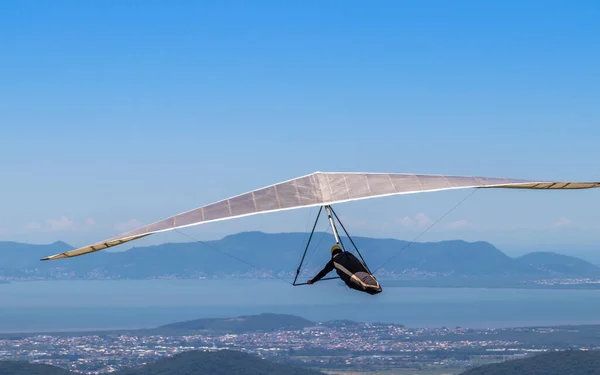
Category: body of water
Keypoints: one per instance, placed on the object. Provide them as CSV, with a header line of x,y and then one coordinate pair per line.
x,y
82,305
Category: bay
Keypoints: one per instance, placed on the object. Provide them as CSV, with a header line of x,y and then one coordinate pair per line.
x,y
89,305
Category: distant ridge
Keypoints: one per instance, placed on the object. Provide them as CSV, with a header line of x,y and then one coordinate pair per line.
x,y
445,261
559,264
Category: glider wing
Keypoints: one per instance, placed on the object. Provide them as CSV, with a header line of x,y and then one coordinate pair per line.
x,y
318,189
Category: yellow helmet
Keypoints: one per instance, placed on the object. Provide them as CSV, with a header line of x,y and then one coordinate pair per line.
x,y
334,248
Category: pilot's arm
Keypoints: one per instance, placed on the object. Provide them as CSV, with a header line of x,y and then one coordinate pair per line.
x,y
328,268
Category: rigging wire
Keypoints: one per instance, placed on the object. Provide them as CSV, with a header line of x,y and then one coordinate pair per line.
x,y
350,238
312,232
321,239
325,232
426,230
318,244
304,259
308,223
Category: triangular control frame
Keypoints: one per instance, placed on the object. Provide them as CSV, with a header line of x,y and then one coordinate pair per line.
x,y
332,216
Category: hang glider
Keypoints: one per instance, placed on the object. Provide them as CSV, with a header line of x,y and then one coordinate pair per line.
x,y
320,189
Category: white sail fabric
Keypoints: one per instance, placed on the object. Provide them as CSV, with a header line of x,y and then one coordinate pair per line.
x,y
319,189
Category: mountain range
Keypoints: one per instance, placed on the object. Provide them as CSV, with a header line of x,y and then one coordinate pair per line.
x,y
281,253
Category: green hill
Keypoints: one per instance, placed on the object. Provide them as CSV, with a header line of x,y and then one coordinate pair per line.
x,y
26,368
571,362
251,323
224,362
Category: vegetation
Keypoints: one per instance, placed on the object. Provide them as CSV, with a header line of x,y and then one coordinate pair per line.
x,y
226,362
26,368
570,362
216,363
242,324
189,363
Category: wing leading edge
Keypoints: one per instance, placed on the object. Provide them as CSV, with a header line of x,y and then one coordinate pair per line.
x,y
319,189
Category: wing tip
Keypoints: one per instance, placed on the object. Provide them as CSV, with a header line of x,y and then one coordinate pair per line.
x,y
55,256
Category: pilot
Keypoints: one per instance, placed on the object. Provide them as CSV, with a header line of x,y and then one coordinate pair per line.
x,y
351,270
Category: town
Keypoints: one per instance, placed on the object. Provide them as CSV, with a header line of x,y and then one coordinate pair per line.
x,y
345,345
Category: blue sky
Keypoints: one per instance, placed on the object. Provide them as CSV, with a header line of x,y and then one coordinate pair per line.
x,y
115,114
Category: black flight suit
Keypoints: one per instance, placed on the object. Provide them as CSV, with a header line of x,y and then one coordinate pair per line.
x,y
352,271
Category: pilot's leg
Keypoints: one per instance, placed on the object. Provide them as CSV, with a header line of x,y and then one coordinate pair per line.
x,y
352,284
367,282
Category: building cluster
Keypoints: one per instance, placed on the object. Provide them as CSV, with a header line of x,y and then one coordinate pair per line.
x,y
340,345
566,281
